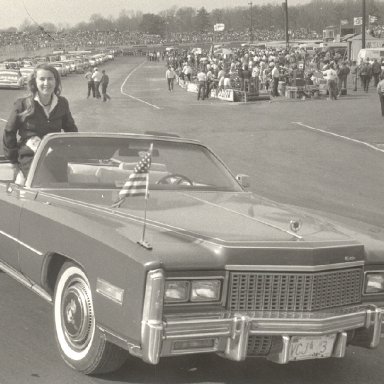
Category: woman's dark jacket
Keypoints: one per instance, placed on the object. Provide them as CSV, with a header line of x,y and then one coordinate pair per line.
x,y
37,124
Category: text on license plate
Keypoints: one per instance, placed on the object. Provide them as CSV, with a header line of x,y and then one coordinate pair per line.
x,y
311,347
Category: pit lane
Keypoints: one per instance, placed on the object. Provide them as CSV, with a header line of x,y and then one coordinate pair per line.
x,y
287,162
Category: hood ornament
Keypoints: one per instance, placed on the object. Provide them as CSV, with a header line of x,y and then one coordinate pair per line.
x,y
295,225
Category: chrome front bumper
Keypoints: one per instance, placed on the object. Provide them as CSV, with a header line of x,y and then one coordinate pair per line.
x,y
227,333
230,335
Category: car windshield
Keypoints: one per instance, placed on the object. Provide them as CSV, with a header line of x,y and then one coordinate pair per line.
x,y
96,162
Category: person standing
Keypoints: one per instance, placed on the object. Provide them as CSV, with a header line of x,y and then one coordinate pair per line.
x,y
188,71
170,76
201,79
32,117
240,76
365,74
209,83
376,71
227,81
104,85
246,74
380,91
330,75
91,84
355,74
220,78
255,78
96,76
342,75
275,77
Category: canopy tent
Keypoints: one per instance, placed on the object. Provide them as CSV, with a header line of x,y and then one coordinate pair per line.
x,y
355,44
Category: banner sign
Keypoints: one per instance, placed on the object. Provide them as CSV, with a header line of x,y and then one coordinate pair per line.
x,y
226,94
358,21
372,19
219,27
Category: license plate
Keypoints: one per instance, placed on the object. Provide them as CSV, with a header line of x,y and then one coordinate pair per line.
x,y
311,347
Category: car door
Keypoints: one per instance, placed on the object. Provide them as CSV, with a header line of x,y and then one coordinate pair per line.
x,y
35,232
10,208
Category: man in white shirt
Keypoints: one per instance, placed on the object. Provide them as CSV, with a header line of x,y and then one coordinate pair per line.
x,y
255,78
170,76
187,72
97,76
201,79
227,81
330,75
275,77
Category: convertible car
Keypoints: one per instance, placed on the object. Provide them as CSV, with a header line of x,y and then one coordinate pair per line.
x,y
147,245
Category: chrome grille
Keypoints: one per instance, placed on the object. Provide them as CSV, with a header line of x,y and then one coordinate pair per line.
x,y
278,291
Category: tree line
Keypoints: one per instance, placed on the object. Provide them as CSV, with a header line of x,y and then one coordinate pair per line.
x,y
312,16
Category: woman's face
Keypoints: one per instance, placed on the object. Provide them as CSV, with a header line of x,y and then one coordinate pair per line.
x,y
45,82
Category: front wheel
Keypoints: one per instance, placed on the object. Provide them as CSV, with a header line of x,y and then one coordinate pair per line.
x,y
81,344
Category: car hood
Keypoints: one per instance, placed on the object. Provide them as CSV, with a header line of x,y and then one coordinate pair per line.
x,y
204,230
221,217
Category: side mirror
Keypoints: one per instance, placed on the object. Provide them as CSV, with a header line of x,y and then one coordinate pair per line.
x,y
244,180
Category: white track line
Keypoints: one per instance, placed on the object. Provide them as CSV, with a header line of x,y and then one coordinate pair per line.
x,y
133,97
5,121
339,136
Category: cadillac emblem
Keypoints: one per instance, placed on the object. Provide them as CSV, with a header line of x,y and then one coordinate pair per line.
x,y
295,225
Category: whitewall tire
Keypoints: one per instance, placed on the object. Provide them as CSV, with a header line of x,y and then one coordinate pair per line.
x,y
81,344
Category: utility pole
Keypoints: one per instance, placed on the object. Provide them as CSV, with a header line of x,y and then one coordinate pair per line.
x,y
363,26
251,27
285,6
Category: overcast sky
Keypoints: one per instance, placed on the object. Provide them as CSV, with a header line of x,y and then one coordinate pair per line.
x,y
14,12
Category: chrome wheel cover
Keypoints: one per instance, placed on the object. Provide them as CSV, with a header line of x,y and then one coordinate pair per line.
x,y
77,316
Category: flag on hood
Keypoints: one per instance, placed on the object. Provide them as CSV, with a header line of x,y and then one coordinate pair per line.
x,y
136,185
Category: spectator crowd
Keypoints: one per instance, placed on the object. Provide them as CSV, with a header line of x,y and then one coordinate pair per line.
x,y
246,69
40,38
252,70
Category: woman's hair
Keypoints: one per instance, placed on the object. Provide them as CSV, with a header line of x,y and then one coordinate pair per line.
x,y
32,87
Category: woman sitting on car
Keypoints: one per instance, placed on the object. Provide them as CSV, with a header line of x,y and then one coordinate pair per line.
x,y
43,111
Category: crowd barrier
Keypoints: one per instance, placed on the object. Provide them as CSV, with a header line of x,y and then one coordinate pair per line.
x,y
222,94
235,95
229,94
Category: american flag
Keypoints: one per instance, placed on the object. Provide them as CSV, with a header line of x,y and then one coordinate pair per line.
x,y
137,183
372,19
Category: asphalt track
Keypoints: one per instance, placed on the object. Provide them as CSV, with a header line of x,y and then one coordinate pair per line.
x,y
324,156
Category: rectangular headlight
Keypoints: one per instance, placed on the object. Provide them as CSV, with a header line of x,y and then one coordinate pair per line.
x,y
374,282
176,291
205,290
